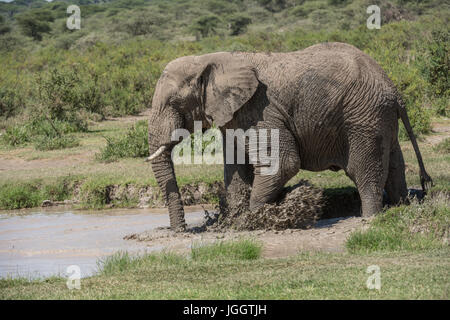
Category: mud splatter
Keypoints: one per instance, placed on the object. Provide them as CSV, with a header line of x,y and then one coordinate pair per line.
x,y
298,207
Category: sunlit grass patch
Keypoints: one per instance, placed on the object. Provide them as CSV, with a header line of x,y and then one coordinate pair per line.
x,y
244,249
122,261
443,146
232,250
414,227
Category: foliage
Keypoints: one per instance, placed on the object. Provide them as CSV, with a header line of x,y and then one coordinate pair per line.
x,y
64,95
133,145
31,194
4,28
15,136
205,26
273,5
437,68
145,23
116,59
239,23
47,142
337,2
35,23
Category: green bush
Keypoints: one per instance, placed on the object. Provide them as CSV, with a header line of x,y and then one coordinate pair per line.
x,y
205,26
35,23
10,102
64,94
94,194
19,196
337,2
55,142
133,145
436,69
239,23
31,194
16,136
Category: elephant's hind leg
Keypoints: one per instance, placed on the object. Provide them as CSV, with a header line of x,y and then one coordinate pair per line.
x,y
368,167
396,183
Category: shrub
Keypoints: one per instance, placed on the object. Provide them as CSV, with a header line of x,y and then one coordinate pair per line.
x,y
238,24
94,194
133,145
16,136
35,23
59,92
337,2
145,23
436,68
3,27
273,5
55,142
205,26
19,196
10,102
31,194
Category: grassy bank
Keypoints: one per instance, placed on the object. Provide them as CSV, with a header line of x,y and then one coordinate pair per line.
x,y
415,227
235,271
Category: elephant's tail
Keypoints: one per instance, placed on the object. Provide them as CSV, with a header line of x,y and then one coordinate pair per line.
x,y
425,179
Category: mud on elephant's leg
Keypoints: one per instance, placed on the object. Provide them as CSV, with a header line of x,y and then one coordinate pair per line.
x,y
238,181
267,187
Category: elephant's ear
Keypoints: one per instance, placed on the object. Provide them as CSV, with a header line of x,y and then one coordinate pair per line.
x,y
226,87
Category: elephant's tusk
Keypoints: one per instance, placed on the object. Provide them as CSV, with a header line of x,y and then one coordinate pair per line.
x,y
157,153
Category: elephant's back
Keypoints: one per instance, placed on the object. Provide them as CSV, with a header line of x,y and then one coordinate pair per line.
x,y
332,90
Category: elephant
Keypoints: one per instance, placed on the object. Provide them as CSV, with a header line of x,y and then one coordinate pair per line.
x,y
333,105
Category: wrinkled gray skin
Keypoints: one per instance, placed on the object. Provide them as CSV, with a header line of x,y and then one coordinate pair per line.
x,y
334,106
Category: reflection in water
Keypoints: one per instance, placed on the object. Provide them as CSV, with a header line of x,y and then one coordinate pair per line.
x,y
45,244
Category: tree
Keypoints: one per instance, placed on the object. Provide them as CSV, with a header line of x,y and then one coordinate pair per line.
x,y
238,24
206,25
273,5
36,23
3,27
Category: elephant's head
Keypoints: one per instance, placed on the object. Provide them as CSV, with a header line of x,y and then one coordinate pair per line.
x,y
208,88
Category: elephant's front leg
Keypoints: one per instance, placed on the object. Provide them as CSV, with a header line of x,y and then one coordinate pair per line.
x,y
238,180
270,178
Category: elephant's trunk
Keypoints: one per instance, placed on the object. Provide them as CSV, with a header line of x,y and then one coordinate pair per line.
x,y
165,176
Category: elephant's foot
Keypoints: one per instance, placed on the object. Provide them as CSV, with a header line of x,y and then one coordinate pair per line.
x,y
371,204
233,205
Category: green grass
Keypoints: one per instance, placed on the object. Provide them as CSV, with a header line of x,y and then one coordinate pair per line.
x,y
309,275
32,193
414,227
443,146
245,249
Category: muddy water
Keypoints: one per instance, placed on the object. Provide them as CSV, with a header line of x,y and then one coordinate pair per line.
x,y
41,244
